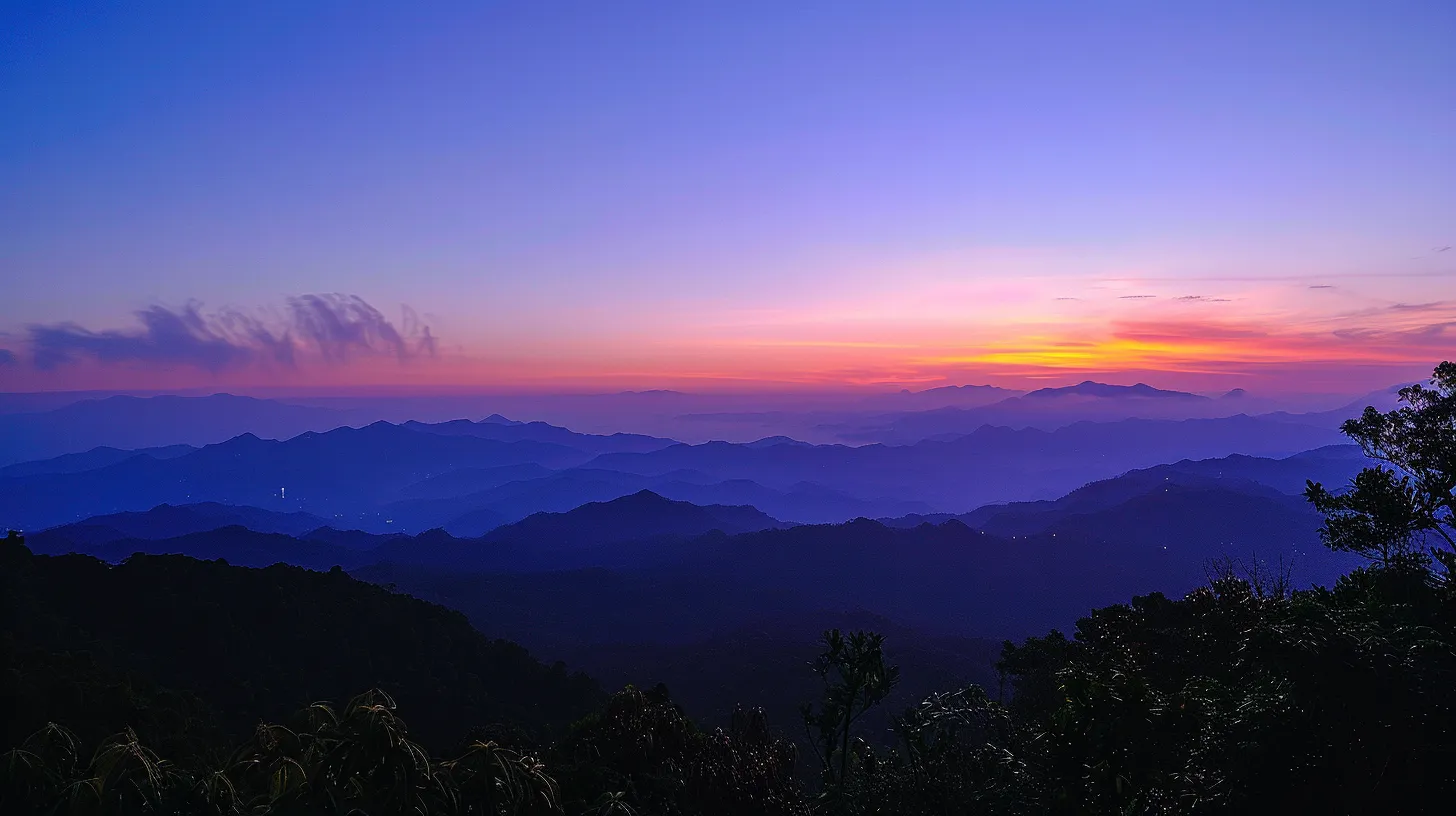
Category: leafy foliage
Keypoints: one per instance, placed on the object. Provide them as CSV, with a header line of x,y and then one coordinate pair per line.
x,y
651,758
856,679
1405,514
358,759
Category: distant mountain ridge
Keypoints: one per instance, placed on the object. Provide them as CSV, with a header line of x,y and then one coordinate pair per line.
x,y
501,429
146,422
91,460
972,469
583,536
346,473
1282,478
167,521
132,423
643,514
1053,408
477,512
379,477
234,544
1090,388
255,537
1152,528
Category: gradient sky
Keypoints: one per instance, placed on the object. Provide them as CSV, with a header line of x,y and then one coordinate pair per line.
x,y
747,194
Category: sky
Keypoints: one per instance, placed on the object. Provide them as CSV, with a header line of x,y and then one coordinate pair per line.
x,y
748,195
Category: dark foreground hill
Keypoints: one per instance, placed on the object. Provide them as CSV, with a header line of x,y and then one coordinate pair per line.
x,y
766,662
251,643
1025,569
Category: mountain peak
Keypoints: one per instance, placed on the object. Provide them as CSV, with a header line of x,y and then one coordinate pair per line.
x,y
636,516
960,389
644,496
497,419
1092,388
773,441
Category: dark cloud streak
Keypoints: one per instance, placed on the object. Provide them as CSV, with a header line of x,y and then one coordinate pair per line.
x,y
336,327
342,325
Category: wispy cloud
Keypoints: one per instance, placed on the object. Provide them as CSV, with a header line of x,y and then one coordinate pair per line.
x,y
8,358
332,328
1419,307
343,325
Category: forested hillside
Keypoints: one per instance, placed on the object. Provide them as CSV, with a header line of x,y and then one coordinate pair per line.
x,y
255,643
1244,695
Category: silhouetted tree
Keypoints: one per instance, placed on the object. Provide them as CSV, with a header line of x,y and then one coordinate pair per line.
x,y
1402,513
856,679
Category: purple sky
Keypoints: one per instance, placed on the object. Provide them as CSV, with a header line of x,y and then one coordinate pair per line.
x,y
650,194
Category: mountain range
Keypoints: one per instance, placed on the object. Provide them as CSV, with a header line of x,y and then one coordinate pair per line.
x,y
724,603
129,422
43,426
598,532
346,473
988,465
633,529
999,567
472,477
91,460
1053,408
166,521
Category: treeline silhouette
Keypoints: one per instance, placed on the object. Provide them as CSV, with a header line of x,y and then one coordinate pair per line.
x,y
255,643
1244,696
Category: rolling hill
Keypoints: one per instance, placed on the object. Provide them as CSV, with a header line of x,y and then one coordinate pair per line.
x,y
256,643
639,528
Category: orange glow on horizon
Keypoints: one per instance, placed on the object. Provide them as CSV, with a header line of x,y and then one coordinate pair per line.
x,y
1277,351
